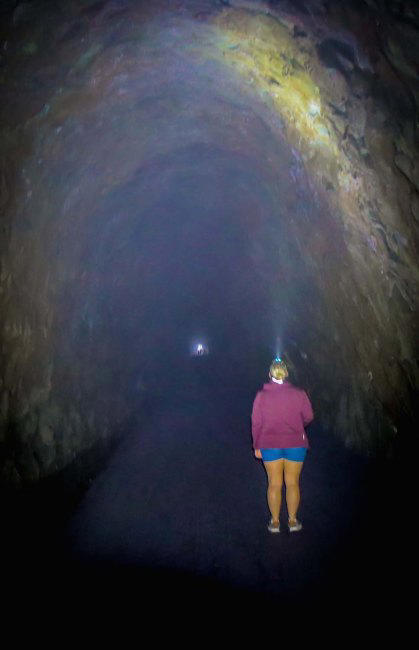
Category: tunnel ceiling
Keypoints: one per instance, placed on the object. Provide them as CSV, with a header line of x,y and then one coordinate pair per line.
x,y
171,161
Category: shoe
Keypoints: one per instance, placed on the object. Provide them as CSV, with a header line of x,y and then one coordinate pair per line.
x,y
294,528
274,528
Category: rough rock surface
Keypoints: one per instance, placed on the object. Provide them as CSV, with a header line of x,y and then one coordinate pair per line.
x,y
312,107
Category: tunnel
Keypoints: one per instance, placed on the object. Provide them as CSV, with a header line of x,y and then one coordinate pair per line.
x,y
239,175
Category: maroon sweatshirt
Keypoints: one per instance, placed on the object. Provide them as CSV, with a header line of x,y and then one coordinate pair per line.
x,y
280,413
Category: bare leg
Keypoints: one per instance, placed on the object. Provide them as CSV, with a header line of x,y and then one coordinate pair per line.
x,y
292,471
275,472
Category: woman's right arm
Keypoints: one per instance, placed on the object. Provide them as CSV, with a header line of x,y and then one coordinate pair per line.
x,y
306,410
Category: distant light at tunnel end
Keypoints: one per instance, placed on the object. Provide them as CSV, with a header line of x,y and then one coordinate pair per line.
x,y
199,348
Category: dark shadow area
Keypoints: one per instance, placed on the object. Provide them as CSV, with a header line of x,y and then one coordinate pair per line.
x,y
176,520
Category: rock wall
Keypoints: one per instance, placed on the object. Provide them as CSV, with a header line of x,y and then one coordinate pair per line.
x,y
342,78
322,97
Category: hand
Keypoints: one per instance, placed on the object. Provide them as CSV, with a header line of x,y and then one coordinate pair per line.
x,y
258,454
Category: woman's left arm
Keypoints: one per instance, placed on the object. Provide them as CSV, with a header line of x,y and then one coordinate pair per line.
x,y
256,424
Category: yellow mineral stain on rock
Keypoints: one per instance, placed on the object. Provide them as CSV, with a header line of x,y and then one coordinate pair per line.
x,y
263,50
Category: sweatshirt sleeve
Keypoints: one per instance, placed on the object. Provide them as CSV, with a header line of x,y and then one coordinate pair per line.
x,y
306,410
256,420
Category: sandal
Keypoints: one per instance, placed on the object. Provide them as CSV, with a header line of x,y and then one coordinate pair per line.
x,y
295,527
274,528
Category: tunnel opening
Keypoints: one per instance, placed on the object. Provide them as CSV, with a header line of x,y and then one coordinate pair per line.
x,y
192,243
216,172
197,237
170,144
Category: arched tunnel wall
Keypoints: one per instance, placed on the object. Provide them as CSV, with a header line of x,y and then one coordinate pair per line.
x,y
247,168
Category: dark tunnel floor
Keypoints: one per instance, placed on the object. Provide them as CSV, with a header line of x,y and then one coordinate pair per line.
x,y
180,510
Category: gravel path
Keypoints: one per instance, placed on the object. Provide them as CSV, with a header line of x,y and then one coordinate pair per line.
x,y
178,517
183,504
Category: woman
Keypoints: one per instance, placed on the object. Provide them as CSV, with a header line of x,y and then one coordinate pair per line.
x,y
280,413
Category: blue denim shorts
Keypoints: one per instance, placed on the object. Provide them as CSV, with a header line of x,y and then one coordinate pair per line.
x,y
297,454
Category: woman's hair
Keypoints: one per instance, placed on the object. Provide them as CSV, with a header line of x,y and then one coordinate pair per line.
x,y
278,369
